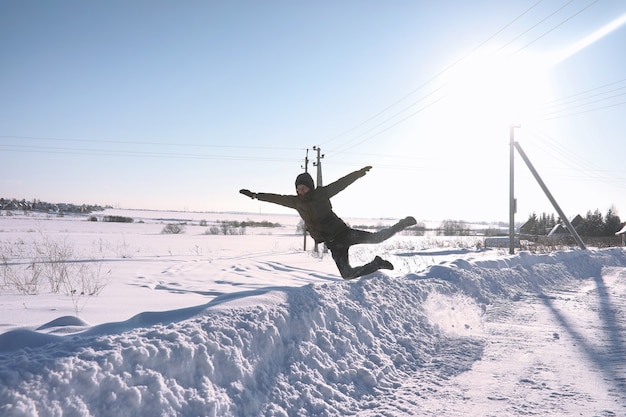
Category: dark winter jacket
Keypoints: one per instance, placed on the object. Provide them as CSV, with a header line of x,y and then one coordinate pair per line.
x,y
315,209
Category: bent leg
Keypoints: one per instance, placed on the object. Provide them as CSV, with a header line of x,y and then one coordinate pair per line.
x,y
339,249
385,234
340,255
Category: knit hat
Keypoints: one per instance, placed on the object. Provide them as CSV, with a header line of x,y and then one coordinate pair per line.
x,y
305,178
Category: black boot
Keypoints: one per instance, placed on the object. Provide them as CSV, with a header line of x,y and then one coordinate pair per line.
x,y
375,265
382,264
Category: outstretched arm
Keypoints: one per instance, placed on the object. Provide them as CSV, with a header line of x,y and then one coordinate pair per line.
x,y
283,200
339,185
248,193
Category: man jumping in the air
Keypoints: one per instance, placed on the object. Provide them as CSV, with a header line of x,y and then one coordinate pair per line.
x,y
313,205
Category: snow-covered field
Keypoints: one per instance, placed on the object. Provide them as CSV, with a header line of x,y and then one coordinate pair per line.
x,y
197,324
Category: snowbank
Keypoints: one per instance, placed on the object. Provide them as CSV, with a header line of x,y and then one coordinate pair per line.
x,y
334,348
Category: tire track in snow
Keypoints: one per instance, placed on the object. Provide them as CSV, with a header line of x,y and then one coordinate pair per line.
x,y
545,351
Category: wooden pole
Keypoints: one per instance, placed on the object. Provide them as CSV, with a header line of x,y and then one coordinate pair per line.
x,y
512,205
547,192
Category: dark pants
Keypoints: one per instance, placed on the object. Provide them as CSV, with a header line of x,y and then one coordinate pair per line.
x,y
340,245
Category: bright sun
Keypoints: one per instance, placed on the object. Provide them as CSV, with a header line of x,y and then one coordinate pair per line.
x,y
490,92
480,97
477,101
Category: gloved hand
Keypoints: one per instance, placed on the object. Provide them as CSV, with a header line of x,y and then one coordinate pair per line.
x,y
248,193
365,169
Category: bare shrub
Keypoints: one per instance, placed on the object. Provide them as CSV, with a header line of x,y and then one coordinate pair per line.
x,y
213,230
233,228
301,227
173,229
53,265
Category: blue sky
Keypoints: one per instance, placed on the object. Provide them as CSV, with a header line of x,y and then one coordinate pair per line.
x,y
178,105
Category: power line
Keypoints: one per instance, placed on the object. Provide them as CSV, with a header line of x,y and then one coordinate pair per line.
x,y
576,97
587,98
167,155
410,115
142,154
587,91
420,87
562,107
351,142
127,142
371,133
587,103
586,111
557,26
534,26
589,172
347,144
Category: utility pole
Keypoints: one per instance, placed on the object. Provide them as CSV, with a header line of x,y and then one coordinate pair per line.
x,y
306,161
306,169
512,201
318,164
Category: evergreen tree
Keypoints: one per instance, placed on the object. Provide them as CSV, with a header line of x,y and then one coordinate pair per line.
x,y
612,222
593,224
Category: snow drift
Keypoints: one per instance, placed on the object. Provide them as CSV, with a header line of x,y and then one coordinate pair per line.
x,y
334,348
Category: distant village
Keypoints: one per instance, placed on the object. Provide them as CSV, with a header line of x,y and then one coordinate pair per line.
x,y
593,224
45,207
602,230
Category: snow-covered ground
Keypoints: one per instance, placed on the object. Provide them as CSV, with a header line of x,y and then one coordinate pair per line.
x,y
197,324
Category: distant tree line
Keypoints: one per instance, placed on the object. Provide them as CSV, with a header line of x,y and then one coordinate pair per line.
x,y
250,223
594,224
43,206
540,225
115,219
453,228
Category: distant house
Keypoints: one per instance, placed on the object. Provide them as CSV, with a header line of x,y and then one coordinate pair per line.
x,y
559,231
577,221
622,233
529,228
